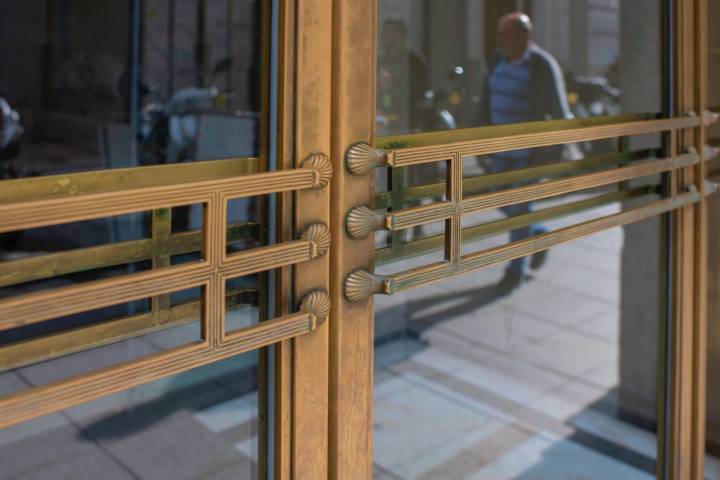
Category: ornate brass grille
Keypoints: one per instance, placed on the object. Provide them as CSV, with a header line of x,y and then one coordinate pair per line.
x,y
455,146
210,273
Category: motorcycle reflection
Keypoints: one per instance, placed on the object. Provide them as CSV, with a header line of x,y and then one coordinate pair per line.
x,y
169,130
590,96
11,131
445,108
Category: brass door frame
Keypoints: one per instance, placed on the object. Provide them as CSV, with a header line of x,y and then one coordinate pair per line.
x,y
351,331
326,105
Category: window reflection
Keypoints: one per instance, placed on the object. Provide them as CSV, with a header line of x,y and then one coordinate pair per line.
x,y
456,64
93,85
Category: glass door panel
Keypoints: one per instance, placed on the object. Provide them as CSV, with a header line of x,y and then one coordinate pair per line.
x,y
439,62
203,423
527,265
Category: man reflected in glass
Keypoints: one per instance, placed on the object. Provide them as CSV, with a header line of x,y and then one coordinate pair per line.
x,y
524,84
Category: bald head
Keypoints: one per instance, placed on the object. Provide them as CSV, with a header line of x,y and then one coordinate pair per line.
x,y
513,35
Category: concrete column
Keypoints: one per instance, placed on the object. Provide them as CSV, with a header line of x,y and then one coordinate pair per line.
x,y
643,277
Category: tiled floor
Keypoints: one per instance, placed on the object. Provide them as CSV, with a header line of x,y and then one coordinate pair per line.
x,y
198,425
517,387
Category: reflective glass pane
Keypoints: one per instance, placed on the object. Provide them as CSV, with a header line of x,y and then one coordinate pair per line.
x,y
445,64
203,423
96,85
549,374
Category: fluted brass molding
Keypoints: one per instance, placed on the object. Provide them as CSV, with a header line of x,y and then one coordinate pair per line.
x,y
361,157
360,284
41,213
320,163
361,221
414,248
317,304
210,273
422,147
438,211
318,234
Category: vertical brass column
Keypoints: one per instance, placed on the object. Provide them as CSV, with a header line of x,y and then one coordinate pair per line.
x,y
351,330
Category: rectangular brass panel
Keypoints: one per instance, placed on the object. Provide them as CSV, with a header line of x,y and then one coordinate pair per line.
x,y
36,307
424,245
50,265
485,145
38,213
482,182
210,273
435,272
73,184
266,258
440,211
56,396
44,348
581,182
582,127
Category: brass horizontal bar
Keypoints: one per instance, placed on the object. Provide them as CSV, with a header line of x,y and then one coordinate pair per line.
x,y
40,306
50,265
54,345
415,248
478,183
411,217
267,258
57,396
438,271
435,212
81,183
538,128
564,168
32,214
483,143
425,139
554,188
36,307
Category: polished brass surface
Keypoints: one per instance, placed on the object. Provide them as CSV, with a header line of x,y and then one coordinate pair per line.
x,y
558,187
57,396
210,274
581,127
362,284
21,353
13,272
485,145
425,245
318,234
317,304
411,217
361,221
479,183
321,165
73,184
361,158
39,213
